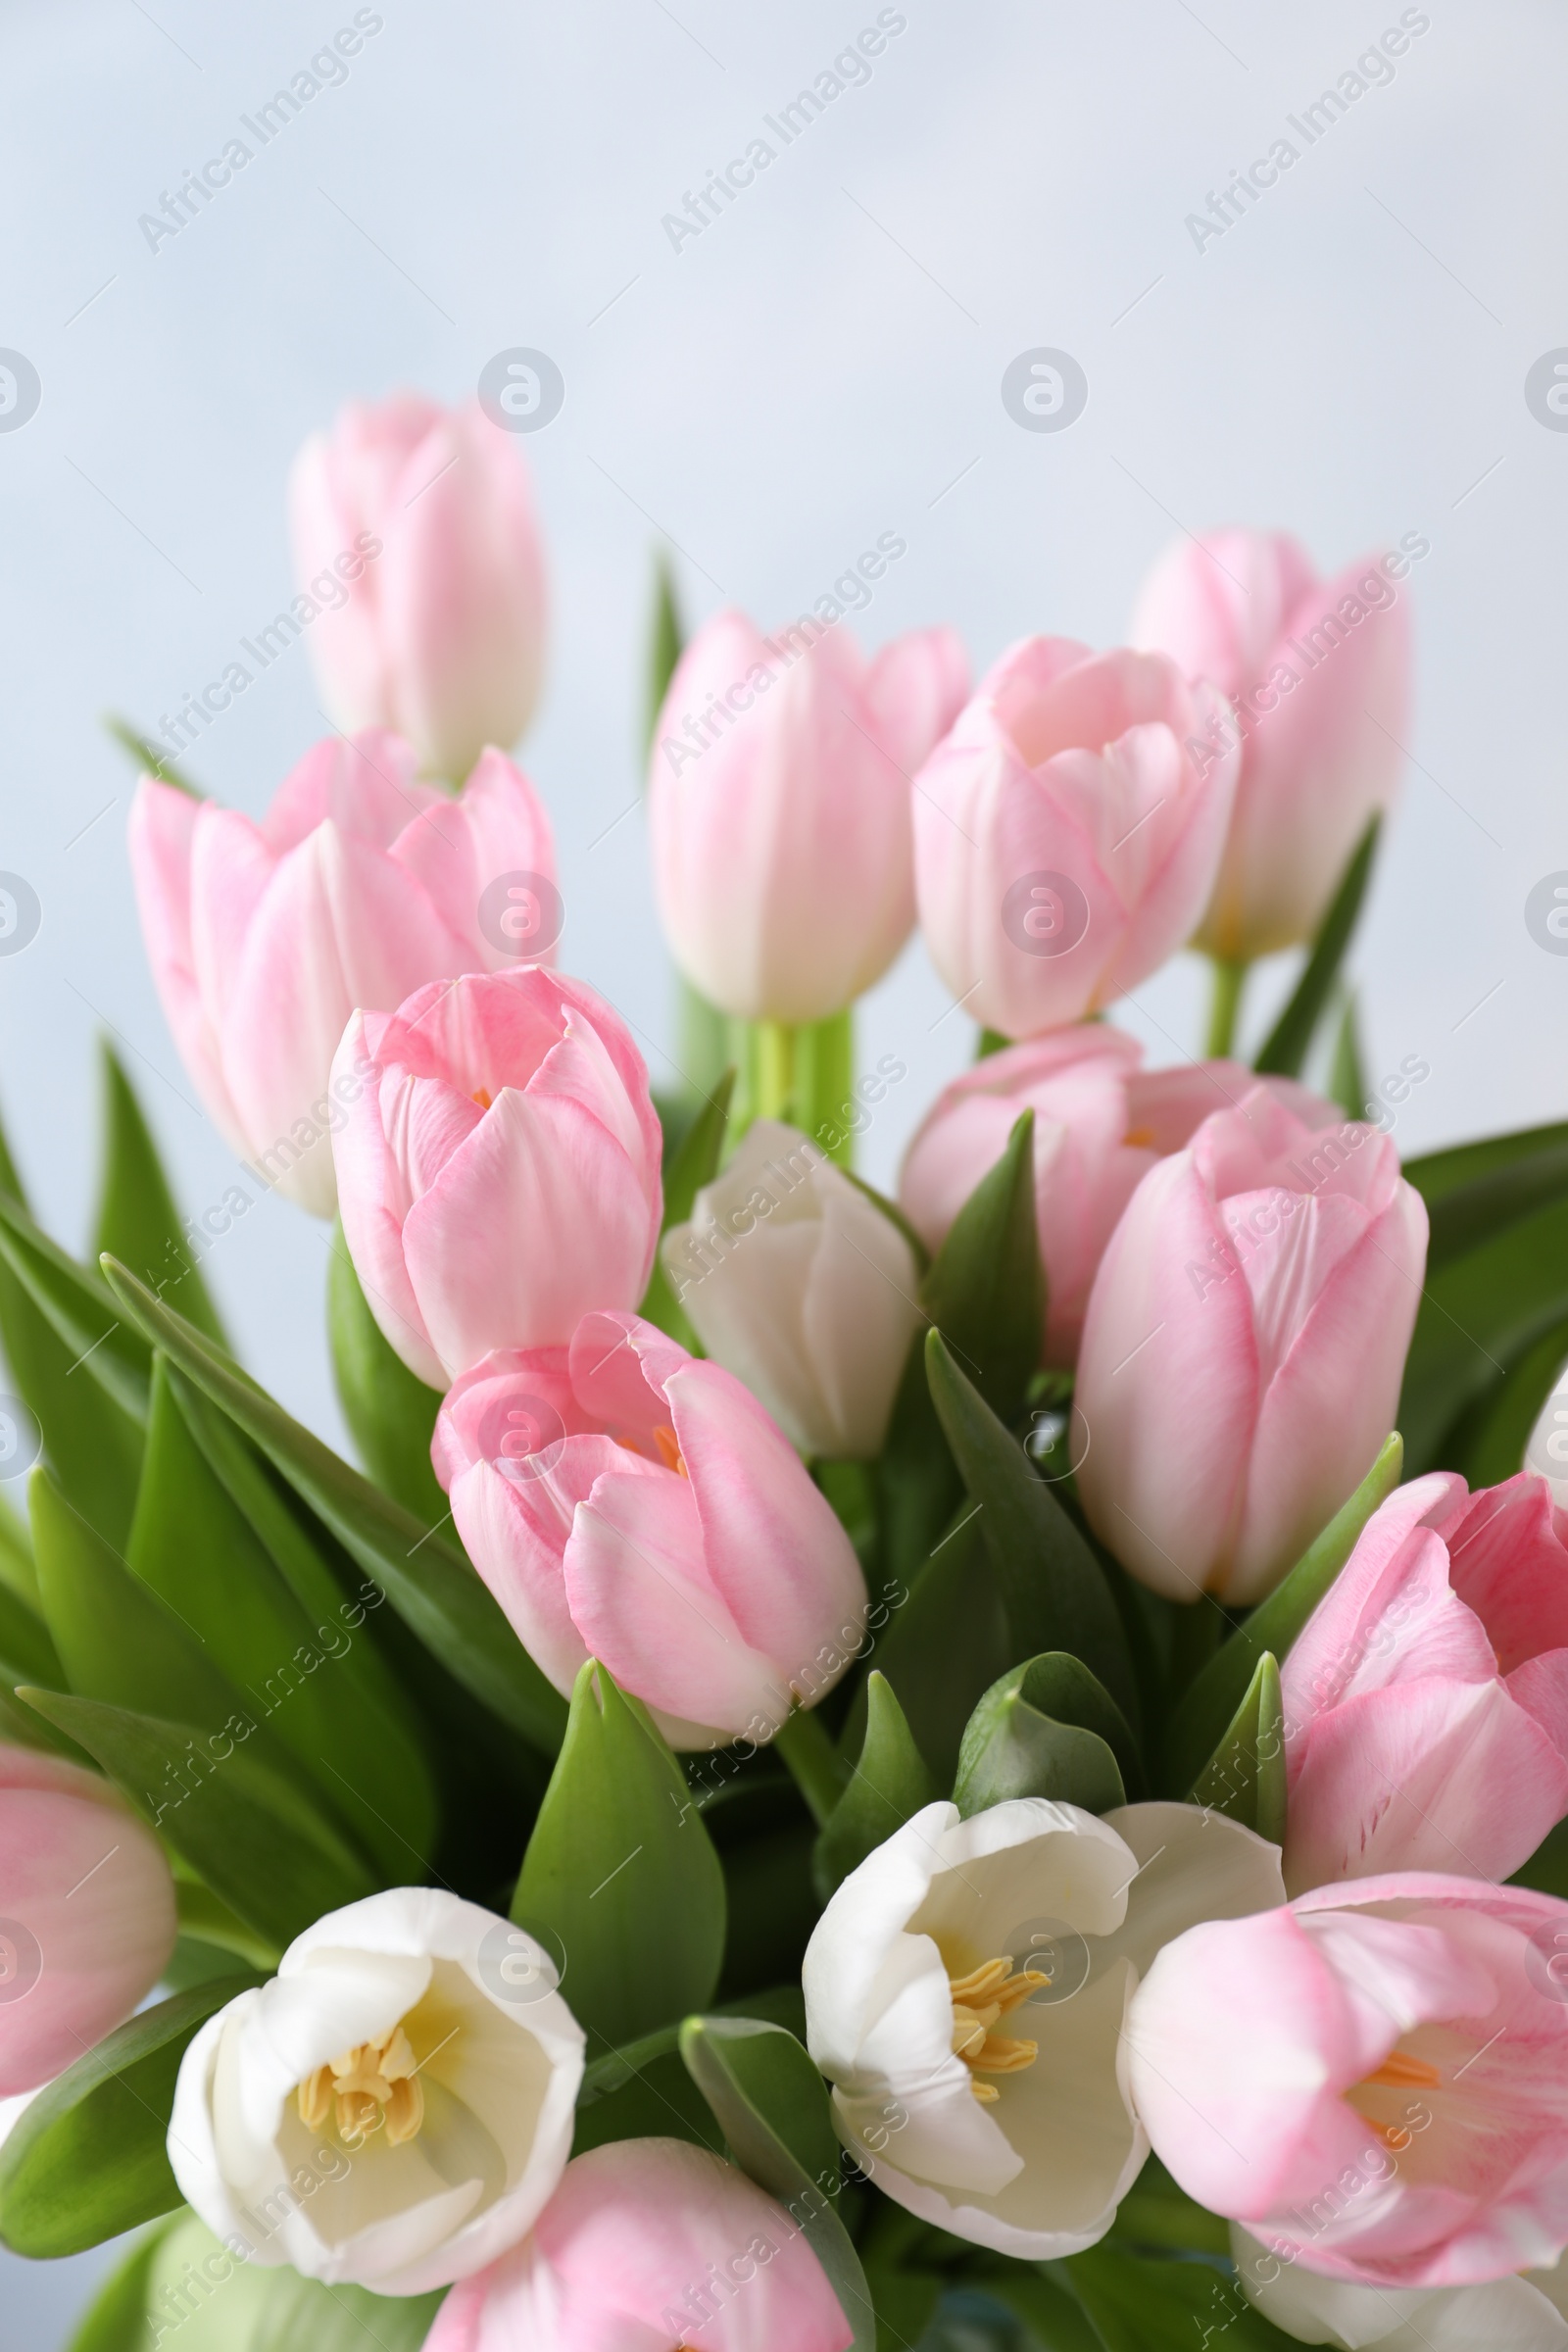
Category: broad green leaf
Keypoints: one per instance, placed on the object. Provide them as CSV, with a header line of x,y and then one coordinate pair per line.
x,y
267,1852
890,1783
1047,1729
1488,1443
87,2159
781,2005
905,2302
695,1163
772,2105
192,2292
430,1583
1056,2320
19,1572
1209,1706
390,1411
1480,1315
1051,1583
620,1881
139,1222
1154,2212
1474,1190
116,2320
945,1643
149,759
26,1653
1245,1776
1140,2306
986,1290
1346,1075
1289,1040
917,1478
204,1918
660,2101
79,1308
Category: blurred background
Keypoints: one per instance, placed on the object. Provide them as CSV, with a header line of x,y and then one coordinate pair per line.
x,y
821,365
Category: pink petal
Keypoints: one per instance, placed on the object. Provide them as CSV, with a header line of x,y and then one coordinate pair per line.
x,y
496,826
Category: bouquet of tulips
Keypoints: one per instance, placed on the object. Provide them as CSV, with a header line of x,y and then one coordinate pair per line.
x,y
975,1767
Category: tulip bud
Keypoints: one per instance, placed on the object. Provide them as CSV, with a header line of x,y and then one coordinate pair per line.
x,y
499,1166
415,537
779,808
1317,673
1067,831
1243,1348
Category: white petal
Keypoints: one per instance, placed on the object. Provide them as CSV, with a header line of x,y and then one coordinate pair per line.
x,y
1506,2315
1193,1865
857,1933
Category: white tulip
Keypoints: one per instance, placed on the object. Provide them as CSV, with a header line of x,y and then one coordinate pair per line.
x,y
800,1286
965,1991
1506,2315
394,2108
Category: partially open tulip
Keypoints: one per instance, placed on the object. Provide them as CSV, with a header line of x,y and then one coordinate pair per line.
x,y
1317,673
89,1915
1374,2078
438,629
1426,1699
626,1501
779,807
1506,2315
1100,1123
359,885
966,1991
800,1286
499,1168
1244,1346
649,2244
1066,832
393,2108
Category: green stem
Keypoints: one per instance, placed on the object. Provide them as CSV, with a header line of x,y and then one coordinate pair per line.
x,y
814,1766
775,1043
1230,978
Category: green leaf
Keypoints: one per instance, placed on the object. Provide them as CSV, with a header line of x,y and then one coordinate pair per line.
x,y
1056,2320
1212,1702
917,1481
86,2159
267,1852
390,1411
1047,1729
1140,2306
1474,1190
431,1585
1154,2212
147,755
26,1653
1289,1040
116,2320
946,1645
1245,1776
891,1782
1346,1075
204,1918
772,2107
1488,1442
139,1222
895,1217
665,641
694,1164
78,1310
1051,1583
986,1290
1481,1316
18,1573
620,1876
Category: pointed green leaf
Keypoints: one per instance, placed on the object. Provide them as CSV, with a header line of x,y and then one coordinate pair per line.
x,y
891,1782
1140,2306
149,759
1055,1596
1473,1190
666,640
772,2105
87,2159
26,1653
1481,1316
137,1219
986,1290
19,1572
945,1643
917,1479
204,1918
1348,1077
1245,1776
1054,2317
390,1411
79,1310
1486,1444
693,1163
1289,1040
1209,1706
621,1877
1047,1729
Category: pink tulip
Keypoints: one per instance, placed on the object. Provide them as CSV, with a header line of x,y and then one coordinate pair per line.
x,y
1243,1346
1066,834
779,803
1426,1699
89,1920
1318,675
1100,1125
499,1171
626,1501
1374,2077
415,537
649,2244
357,886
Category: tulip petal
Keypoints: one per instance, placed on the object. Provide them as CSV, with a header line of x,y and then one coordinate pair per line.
x,y
497,825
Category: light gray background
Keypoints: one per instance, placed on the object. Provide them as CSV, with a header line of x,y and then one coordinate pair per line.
x,y
821,365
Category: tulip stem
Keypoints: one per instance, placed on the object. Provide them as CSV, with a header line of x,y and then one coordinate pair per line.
x,y
1230,978
814,1768
775,1070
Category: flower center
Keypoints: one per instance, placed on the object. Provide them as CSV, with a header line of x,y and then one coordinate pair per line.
x,y
980,2000
372,2085
483,1097
1401,2070
668,1444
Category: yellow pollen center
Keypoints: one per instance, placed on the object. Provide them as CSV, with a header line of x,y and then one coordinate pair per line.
x,y
374,2085
980,2000
668,1444
1140,1138
483,1097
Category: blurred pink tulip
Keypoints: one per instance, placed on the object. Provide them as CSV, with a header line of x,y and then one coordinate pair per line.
x,y
499,1168
1318,674
779,805
358,885
1244,1346
646,2244
626,1501
1100,1123
1066,834
1374,2077
415,536
1426,1699
91,1915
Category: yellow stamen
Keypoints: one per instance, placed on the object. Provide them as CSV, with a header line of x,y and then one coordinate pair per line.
x,y
980,2000
670,1453
1140,1138
483,1097
373,2085
1399,2071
